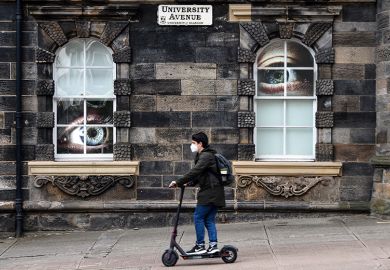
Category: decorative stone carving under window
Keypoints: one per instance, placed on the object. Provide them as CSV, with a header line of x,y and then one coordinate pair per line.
x,y
84,186
285,178
84,179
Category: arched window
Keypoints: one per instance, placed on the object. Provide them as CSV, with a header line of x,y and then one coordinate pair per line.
x,y
84,101
285,102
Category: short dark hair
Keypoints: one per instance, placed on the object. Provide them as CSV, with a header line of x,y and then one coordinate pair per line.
x,y
201,137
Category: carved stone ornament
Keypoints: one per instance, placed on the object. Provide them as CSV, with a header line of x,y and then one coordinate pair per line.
x,y
325,56
246,88
324,88
246,56
122,56
257,31
122,87
111,31
286,30
83,28
324,119
122,119
281,186
84,186
45,88
246,152
43,56
54,31
246,119
122,151
314,32
45,119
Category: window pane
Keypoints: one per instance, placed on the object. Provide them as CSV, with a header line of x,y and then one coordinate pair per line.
x,y
299,113
271,82
298,55
269,141
272,55
70,82
99,82
99,140
70,140
97,54
71,55
99,111
269,113
299,82
299,141
70,111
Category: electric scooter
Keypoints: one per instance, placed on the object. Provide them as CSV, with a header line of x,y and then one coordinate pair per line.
x,y
170,257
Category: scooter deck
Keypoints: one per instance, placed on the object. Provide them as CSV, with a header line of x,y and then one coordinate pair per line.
x,y
201,256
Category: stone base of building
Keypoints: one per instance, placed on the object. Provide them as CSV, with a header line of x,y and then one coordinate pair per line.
x,y
163,214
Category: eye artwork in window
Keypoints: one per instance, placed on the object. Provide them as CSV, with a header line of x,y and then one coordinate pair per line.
x,y
97,137
281,66
285,102
84,99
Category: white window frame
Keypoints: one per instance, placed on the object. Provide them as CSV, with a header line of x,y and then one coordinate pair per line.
x,y
56,98
285,98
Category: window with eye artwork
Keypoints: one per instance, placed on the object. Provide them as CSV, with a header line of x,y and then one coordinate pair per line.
x,y
285,102
84,101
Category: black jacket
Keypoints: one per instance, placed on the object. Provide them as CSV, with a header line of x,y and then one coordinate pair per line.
x,y
210,189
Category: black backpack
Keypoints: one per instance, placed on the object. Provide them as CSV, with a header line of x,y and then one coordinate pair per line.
x,y
225,170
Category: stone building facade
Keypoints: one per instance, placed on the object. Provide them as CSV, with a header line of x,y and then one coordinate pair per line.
x,y
164,83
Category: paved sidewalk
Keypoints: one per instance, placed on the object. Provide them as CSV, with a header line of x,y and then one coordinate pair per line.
x,y
333,243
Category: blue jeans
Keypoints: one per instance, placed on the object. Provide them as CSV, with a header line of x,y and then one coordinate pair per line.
x,y
204,216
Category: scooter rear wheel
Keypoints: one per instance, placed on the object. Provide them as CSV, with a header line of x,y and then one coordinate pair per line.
x,y
229,254
169,258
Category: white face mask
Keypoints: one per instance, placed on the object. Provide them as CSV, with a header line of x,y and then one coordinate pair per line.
x,y
194,148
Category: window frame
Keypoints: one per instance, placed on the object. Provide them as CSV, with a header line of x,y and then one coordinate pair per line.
x,y
285,98
56,98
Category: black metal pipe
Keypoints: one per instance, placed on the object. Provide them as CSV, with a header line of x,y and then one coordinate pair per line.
x,y
18,118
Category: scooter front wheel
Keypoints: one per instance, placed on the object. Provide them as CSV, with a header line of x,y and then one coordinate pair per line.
x,y
229,254
169,258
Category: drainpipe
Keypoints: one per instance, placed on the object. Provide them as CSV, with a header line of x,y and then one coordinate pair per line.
x,y
18,118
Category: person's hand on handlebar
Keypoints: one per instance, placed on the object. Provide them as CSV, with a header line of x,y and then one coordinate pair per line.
x,y
173,184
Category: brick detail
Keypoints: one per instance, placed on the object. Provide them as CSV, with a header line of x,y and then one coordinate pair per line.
x,y
83,29
111,31
45,88
122,87
324,152
257,31
325,56
246,88
246,56
122,119
123,56
324,88
246,151
246,119
122,151
55,32
44,152
43,56
314,32
45,119
286,30
324,119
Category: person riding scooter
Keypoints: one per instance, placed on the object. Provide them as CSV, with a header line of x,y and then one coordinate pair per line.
x,y
211,194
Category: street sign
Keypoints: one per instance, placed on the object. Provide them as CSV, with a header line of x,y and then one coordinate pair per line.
x,y
185,15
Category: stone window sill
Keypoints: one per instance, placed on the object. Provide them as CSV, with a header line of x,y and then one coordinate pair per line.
x,y
287,168
83,168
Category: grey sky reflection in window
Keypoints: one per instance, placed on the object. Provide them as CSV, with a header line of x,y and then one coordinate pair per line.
x,y
285,69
